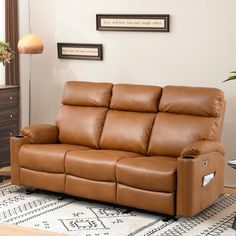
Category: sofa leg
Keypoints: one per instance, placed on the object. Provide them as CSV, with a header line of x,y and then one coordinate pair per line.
x,y
62,197
29,191
234,223
126,211
167,218
4,177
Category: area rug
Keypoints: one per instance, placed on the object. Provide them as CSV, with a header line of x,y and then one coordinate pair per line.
x,y
74,216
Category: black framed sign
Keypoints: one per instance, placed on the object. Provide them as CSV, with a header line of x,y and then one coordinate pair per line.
x,y
79,51
149,23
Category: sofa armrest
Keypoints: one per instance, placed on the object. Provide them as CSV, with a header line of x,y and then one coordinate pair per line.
x,y
41,134
199,161
35,134
201,148
15,145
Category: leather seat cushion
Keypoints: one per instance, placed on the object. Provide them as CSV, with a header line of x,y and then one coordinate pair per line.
x,y
96,165
45,157
154,173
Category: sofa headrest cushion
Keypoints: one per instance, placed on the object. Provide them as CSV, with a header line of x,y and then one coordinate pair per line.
x,y
200,101
139,98
87,94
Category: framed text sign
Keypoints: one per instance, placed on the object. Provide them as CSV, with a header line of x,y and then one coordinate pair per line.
x,y
79,51
149,23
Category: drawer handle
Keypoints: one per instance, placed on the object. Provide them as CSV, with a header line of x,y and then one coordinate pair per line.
x,y
10,98
11,116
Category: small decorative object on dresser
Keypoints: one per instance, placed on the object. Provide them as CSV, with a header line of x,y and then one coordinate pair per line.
x,y
232,164
8,120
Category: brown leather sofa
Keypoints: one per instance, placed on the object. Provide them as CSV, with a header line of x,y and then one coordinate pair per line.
x,y
141,146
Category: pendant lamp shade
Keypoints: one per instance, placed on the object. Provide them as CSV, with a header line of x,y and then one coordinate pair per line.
x,y
30,44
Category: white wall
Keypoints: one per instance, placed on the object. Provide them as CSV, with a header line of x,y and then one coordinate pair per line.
x,y
199,50
2,37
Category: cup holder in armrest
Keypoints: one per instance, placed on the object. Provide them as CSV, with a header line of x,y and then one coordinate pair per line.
x,y
187,157
19,136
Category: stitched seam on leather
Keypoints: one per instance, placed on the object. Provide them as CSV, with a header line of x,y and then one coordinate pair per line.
x,y
108,109
148,143
116,186
109,105
99,141
65,169
116,178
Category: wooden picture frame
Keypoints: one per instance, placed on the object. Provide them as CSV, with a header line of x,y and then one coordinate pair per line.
x,y
148,23
79,51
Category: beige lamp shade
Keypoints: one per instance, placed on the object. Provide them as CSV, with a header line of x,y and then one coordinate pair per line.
x,y
30,44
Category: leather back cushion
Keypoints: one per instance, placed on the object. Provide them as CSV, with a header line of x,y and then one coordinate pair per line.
x,y
129,131
81,118
87,94
187,114
81,125
198,101
141,98
172,132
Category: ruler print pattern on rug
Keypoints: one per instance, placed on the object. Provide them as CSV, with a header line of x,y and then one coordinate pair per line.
x,y
73,216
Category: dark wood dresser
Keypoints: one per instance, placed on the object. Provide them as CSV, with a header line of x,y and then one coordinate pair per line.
x,y
9,120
